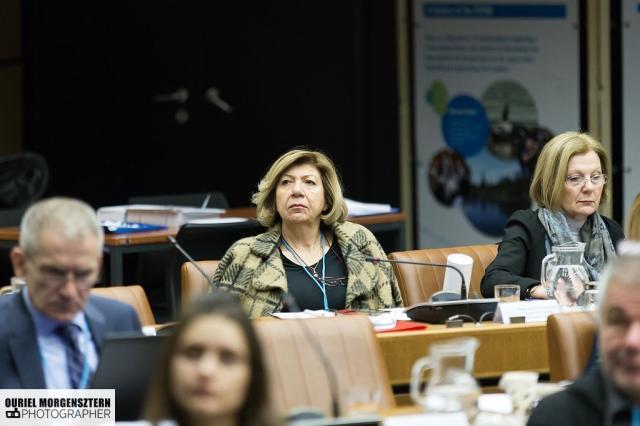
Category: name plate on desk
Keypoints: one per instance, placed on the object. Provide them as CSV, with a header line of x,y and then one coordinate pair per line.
x,y
531,311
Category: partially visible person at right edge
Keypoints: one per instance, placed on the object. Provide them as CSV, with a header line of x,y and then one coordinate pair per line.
x,y
610,393
568,184
634,220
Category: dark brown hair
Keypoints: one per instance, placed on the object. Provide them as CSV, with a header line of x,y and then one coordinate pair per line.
x,y
256,410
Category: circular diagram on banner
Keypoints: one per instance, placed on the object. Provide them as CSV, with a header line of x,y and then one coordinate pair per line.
x,y
448,177
465,126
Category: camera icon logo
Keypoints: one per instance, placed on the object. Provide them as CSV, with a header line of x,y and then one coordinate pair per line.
x,y
13,414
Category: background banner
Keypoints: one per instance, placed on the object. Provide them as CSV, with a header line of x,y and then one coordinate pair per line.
x,y
493,81
631,103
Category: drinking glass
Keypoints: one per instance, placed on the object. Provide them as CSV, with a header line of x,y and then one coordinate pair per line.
x,y
507,292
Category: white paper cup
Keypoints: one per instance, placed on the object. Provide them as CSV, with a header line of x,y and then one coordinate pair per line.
x,y
452,280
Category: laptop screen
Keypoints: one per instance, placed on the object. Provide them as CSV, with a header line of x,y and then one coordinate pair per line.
x,y
127,363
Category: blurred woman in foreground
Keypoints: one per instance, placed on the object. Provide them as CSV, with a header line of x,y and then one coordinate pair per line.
x,y
212,372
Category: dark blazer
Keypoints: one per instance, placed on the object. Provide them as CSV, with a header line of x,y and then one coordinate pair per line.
x,y
521,251
20,365
583,403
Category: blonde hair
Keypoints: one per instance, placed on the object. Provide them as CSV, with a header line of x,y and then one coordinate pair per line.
x,y
548,182
633,231
265,197
74,219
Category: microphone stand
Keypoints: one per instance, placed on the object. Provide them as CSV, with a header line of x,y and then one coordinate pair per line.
x,y
192,261
437,296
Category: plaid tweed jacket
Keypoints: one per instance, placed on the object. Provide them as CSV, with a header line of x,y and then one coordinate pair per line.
x,y
253,270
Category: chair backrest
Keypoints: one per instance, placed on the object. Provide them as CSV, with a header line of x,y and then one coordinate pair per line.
x,y
417,283
203,241
24,178
192,282
195,199
570,338
134,295
297,376
8,217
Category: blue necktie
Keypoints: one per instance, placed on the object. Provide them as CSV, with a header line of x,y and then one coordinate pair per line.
x,y
70,334
635,416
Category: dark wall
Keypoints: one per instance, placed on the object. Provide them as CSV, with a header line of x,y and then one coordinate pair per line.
x,y
295,72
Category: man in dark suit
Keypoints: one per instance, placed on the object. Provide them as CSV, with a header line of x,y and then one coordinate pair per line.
x,y
52,331
609,394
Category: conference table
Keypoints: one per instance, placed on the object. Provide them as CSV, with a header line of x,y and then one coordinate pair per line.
x,y
118,245
502,347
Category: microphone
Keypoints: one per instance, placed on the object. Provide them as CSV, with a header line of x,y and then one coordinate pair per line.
x,y
438,296
443,306
192,261
292,305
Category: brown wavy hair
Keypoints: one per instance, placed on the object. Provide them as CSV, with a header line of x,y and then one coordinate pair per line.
x,y
256,410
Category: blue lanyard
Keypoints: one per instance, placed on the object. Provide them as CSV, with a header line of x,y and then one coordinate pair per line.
x,y
322,287
635,416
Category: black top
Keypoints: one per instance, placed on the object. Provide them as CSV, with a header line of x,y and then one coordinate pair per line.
x,y
306,292
590,400
522,249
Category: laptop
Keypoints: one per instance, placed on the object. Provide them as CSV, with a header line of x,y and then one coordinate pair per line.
x,y
127,363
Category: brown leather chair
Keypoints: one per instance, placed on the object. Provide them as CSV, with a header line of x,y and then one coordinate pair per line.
x,y
417,283
134,295
192,282
570,338
297,376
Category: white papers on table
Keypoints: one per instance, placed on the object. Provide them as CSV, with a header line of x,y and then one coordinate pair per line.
x,y
399,314
307,313
220,220
156,214
358,208
382,322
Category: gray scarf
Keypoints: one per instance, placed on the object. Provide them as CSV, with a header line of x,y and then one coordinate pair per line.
x,y
594,233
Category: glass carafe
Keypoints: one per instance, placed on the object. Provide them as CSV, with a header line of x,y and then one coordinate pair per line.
x,y
588,300
451,387
563,274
